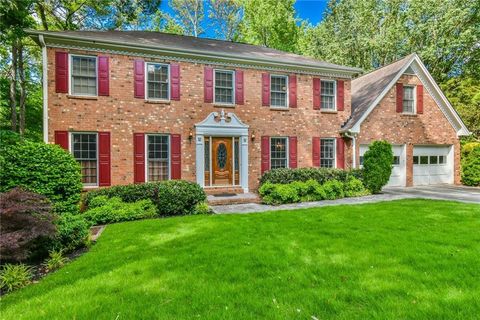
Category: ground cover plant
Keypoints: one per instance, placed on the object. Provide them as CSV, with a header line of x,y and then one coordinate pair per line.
x,y
408,259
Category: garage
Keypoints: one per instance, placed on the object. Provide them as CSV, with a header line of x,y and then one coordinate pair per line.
x,y
432,165
399,165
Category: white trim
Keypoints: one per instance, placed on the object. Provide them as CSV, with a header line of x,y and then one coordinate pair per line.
x,y
232,72
287,102
70,75
146,153
45,87
146,81
414,111
334,95
70,146
334,152
287,150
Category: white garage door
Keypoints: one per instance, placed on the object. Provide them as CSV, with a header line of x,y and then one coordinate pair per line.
x,y
399,165
432,165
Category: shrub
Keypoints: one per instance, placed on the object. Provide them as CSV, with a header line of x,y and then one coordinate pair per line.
x,y
55,260
321,175
202,208
111,210
14,276
73,232
354,188
27,224
42,168
174,197
377,165
471,167
333,189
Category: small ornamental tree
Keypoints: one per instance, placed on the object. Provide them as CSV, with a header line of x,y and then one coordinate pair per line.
x,y
377,165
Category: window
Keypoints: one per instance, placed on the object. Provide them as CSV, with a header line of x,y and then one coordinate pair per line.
x,y
408,99
84,76
278,153
327,94
157,81
396,160
433,159
224,87
361,160
278,91
157,157
327,153
84,149
423,159
442,159
415,159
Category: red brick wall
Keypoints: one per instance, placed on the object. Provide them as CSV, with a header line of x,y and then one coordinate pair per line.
x,y
431,127
122,115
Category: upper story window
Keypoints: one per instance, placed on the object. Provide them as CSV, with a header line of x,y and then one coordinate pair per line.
x,y
84,150
157,81
224,84
278,153
278,91
158,157
84,76
327,93
327,153
408,99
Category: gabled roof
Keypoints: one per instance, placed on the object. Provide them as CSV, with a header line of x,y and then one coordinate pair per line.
x,y
199,47
369,89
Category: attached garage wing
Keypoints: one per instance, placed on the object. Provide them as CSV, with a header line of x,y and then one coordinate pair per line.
x,y
432,165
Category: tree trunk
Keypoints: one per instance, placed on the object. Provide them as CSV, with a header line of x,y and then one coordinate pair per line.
x,y
43,17
13,86
21,72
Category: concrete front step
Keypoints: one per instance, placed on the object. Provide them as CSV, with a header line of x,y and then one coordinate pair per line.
x,y
239,198
223,190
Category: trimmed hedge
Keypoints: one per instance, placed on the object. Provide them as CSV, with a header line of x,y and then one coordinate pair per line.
x,y
174,197
73,232
321,175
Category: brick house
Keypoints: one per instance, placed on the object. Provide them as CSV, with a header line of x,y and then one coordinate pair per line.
x,y
146,106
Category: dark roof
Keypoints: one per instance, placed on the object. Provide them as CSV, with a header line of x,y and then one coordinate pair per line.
x,y
195,45
367,88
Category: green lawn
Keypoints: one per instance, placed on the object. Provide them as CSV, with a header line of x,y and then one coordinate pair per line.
x,y
409,259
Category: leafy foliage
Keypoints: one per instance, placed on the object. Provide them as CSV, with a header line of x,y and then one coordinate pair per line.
x,y
377,165
202,208
27,225
55,260
471,164
72,232
14,276
321,175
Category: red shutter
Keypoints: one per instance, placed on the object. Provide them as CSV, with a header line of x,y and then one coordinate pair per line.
x,y
340,95
420,99
292,149
208,85
176,156
265,89
316,94
104,175
316,151
174,81
139,79
292,86
139,157
340,153
265,153
239,99
61,138
103,76
61,72
399,87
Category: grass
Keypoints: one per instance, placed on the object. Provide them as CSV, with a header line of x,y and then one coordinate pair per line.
x,y
408,259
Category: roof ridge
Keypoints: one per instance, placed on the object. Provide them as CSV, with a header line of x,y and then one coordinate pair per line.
x,y
385,66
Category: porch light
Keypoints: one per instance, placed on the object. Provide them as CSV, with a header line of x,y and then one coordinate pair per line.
x,y
190,135
253,135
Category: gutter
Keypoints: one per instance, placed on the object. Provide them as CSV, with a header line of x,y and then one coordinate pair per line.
x,y
353,136
44,87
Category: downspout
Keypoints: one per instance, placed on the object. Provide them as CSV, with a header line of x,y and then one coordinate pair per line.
x,y
45,87
354,148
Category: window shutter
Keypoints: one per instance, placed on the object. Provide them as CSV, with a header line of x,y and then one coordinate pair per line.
x,y
104,172
239,95
61,138
208,85
175,81
316,151
316,94
340,153
340,95
175,156
399,87
265,89
420,99
139,157
265,153
292,86
292,150
103,76
61,72
139,79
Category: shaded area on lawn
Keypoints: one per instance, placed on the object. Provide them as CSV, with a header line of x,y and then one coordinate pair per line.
x,y
400,259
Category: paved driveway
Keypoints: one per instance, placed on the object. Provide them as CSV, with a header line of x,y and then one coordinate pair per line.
x,y
443,192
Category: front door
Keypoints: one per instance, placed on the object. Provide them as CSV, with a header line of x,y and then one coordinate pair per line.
x,y
222,161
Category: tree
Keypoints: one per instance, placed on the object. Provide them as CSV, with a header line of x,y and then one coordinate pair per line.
x,y
189,14
270,23
225,18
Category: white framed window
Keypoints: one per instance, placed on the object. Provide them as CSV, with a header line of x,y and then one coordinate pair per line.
x,y
278,152
278,91
84,147
157,85
396,160
408,99
430,160
327,153
158,157
328,97
224,81
83,75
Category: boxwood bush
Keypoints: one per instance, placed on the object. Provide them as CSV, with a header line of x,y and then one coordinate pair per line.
x,y
377,165
174,197
73,232
321,175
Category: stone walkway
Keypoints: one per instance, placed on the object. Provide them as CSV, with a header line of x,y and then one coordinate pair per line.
x,y
455,193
